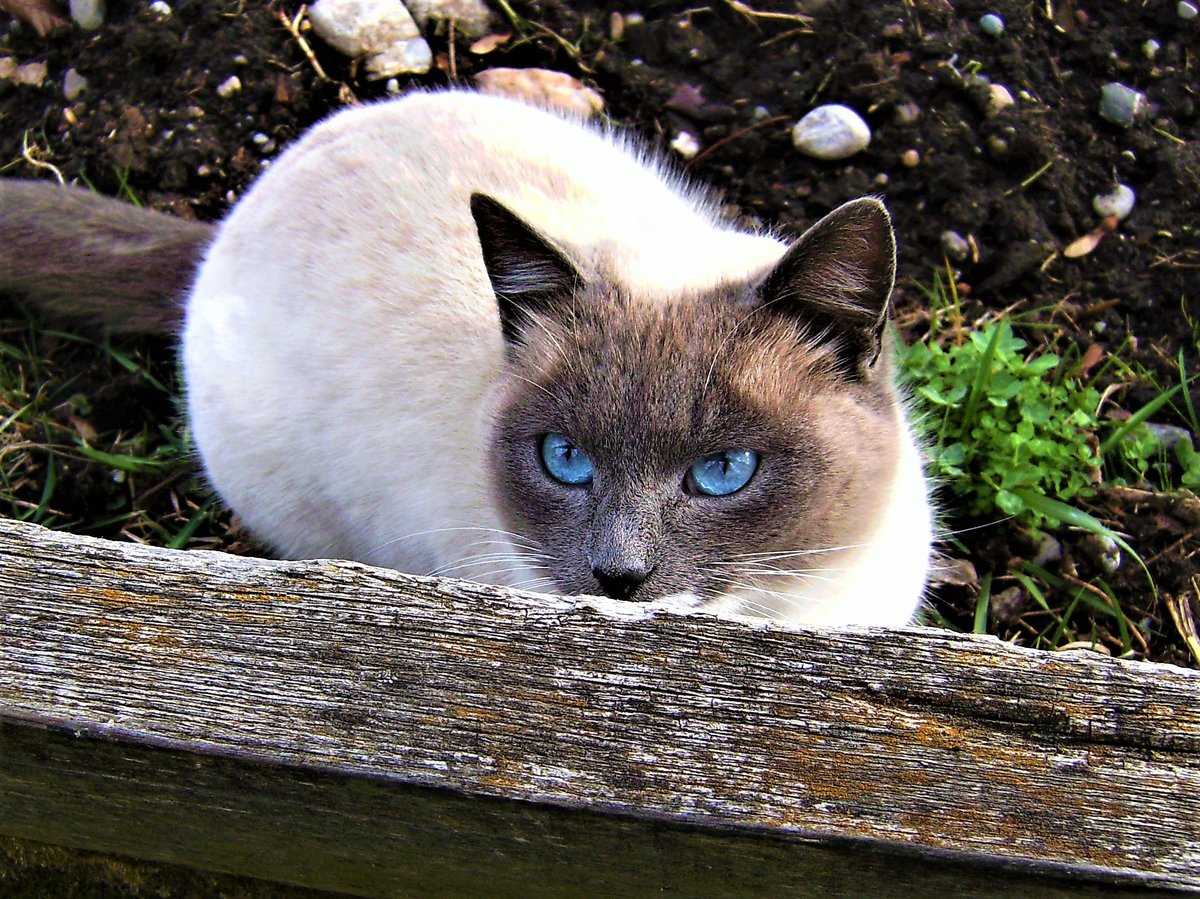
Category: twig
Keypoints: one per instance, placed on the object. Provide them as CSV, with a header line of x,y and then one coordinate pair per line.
x,y
293,28
28,154
750,13
729,137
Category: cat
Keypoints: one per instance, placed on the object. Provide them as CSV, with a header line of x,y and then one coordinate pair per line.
x,y
457,335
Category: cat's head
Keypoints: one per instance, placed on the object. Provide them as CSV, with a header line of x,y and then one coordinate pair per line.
x,y
702,445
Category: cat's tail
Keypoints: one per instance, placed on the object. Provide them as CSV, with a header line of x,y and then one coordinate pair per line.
x,y
78,255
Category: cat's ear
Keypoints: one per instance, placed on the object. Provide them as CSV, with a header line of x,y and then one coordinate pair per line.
x,y
528,275
837,280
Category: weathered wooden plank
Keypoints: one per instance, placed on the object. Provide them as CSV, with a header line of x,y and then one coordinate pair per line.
x,y
375,837
909,737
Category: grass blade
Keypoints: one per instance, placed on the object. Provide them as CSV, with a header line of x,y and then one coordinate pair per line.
x,y
1069,515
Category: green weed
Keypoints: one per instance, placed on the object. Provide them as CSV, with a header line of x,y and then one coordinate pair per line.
x,y
1015,432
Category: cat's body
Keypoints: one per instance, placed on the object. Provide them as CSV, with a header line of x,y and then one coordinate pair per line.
x,y
427,311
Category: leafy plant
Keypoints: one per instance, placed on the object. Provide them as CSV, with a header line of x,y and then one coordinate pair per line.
x,y
1015,431
1005,423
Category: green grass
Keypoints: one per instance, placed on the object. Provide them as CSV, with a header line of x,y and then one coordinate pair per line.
x,y
1011,424
1023,434
90,439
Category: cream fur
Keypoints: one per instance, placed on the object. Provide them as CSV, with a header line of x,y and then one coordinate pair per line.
x,y
342,348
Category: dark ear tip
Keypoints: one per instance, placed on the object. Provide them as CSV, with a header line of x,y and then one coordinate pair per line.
x,y
866,209
482,203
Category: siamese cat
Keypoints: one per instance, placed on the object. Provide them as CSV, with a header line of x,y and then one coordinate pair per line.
x,y
457,335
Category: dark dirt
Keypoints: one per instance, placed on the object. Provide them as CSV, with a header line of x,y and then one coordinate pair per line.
x,y
1018,183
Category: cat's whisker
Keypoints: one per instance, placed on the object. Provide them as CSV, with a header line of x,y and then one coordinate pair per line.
x,y
794,553
535,585
534,384
769,570
483,577
512,536
478,559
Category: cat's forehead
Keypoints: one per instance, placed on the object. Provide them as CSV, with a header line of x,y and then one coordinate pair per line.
x,y
686,374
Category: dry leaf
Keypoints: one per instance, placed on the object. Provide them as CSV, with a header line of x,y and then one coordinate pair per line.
x,y
1083,245
490,42
542,87
1091,357
38,13
1185,609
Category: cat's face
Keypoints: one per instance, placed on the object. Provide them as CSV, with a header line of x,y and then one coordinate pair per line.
x,y
695,447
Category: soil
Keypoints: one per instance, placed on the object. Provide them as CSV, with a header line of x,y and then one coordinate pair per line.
x,y
1016,183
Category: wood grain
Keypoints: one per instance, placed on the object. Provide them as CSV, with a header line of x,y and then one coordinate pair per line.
x,y
918,738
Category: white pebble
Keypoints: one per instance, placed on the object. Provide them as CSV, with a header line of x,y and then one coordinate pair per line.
x,y
907,114
1186,11
999,99
955,246
229,87
32,74
832,131
685,144
1150,49
380,32
88,14
991,24
1169,435
1119,202
74,84
159,8
1121,104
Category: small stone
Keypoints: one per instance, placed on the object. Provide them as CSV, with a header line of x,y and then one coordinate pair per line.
x,y
88,14
1007,605
1150,49
32,74
1120,104
542,87
991,24
955,246
910,159
685,144
1119,203
907,114
392,86
831,132
1186,11
759,113
1104,551
616,26
380,32
471,17
1169,435
999,99
229,87
954,573
161,9
74,84
1049,550
997,147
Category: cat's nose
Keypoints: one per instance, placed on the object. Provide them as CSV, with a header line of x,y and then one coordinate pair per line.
x,y
620,583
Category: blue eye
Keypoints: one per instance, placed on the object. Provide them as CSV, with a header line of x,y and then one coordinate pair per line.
x,y
722,473
566,462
